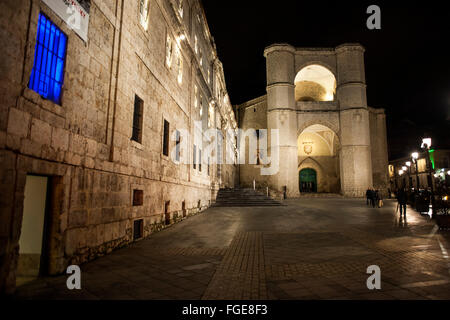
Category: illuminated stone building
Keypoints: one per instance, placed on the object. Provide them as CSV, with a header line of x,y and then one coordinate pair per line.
x,y
95,98
330,140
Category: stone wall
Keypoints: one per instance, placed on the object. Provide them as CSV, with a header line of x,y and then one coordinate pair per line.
x,y
379,151
84,145
251,115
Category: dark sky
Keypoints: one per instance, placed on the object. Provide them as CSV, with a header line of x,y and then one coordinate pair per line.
x,y
407,61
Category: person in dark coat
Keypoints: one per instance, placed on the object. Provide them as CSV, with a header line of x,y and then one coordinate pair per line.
x,y
402,199
368,196
373,198
376,197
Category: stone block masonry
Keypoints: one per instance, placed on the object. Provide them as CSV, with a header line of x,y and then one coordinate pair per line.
x,y
84,144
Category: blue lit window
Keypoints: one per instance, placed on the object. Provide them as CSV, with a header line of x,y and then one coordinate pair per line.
x,y
47,75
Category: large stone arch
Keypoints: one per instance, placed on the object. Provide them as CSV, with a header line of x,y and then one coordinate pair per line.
x,y
316,83
326,162
318,119
303,65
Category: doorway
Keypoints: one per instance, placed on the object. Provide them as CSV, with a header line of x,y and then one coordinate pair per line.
x,y
308,180
166,212
33,256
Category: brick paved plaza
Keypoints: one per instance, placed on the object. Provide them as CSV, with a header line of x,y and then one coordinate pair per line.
x,y
308,249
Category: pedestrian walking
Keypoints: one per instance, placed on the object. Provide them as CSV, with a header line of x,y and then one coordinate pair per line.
x,y
367,196
379,198
401,200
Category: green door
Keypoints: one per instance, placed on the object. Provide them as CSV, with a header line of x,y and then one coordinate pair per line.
x,y
308,180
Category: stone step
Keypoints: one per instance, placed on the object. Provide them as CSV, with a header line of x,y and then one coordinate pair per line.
x,y
243,198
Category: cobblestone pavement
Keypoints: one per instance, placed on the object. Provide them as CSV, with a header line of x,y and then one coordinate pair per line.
x,y
309,249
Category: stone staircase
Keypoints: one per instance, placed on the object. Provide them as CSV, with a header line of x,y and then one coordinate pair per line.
x,y
321,195
243,198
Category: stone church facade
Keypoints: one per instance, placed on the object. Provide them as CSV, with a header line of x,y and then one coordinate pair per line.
x,y
329,139
94,158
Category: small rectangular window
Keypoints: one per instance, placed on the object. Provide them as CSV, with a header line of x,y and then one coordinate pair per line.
x,y
200,160
138,229
137,119
47,75
195,157
166,138
177,146
143,13
138,197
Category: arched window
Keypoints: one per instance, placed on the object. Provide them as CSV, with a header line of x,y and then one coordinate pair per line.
x,y
315,83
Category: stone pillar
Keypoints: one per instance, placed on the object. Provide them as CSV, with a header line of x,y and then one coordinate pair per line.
x,y
281,115
355,154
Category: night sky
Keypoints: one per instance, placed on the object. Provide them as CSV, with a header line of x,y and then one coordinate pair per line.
x,y
407,61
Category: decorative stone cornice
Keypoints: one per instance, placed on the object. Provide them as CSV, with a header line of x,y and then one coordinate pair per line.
x,y
349,47
279,47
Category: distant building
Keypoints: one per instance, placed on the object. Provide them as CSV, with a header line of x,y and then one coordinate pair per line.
x,y
329,139
420,176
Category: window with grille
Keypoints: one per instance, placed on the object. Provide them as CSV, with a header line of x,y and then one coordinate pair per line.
x,y
47,75
137,119
166,138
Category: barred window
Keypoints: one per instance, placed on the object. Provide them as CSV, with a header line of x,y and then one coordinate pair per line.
x,y
137,119
47,75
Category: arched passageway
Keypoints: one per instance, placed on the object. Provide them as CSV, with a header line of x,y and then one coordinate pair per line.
x,y
318,160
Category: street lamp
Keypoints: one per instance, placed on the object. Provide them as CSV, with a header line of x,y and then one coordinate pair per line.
x,y
414,157
408,165
426,145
